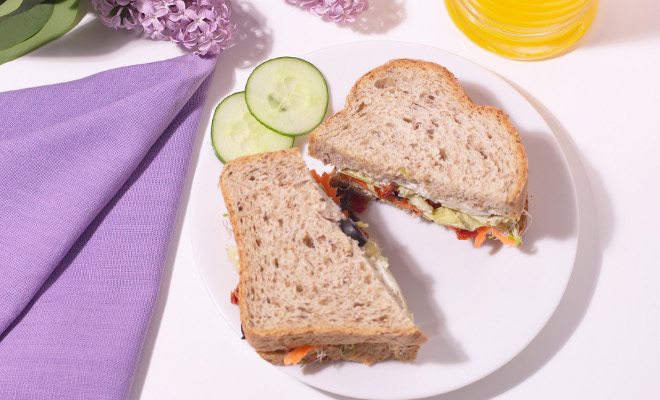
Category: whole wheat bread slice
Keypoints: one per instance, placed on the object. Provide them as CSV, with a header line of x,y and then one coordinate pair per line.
x,y
410,122
302,280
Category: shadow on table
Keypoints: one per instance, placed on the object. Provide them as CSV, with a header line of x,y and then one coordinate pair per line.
x,y
442,347
624,21
551,204
381,17
596,226
253,44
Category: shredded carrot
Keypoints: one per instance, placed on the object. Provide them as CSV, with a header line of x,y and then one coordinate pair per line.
x,y
482,233
362,184
387,191
502,237
296,355
405,204
324,181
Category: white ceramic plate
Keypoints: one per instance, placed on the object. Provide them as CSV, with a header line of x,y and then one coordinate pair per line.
x,y
479,307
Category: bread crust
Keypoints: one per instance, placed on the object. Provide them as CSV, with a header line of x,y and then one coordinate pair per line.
x,y
517,196
268,340
366,353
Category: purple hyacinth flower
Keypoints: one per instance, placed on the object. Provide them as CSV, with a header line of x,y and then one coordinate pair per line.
x,y
202,26
339,11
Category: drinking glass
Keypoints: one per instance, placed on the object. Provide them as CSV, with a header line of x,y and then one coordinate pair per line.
x,y
523,29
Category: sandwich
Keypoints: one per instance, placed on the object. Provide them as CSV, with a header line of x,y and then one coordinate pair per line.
x,y
312,286
410,136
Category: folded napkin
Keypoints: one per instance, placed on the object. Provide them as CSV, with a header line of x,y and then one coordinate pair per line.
x,y
91,172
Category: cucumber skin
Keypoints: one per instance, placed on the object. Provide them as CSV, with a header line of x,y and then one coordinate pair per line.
x,y
213,144
215,112
327,96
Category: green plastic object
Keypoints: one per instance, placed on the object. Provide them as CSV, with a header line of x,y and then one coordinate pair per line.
x,y
9,6
23,23
66,14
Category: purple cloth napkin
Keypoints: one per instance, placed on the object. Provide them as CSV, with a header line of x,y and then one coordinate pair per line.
x,y
91,173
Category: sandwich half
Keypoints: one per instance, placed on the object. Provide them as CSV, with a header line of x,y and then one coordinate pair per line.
x,y
410,135
307,290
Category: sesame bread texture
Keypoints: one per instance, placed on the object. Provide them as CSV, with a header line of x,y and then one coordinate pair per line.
x,y
410,122
302,280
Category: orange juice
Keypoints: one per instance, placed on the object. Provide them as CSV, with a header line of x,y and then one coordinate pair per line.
x,y
523,29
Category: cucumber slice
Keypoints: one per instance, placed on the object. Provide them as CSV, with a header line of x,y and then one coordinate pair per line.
x,y
235,132
288,95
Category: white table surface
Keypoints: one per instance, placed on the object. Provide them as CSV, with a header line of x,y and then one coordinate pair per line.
x,y
602,101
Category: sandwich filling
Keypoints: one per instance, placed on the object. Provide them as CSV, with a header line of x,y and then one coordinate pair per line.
x,y
381,265
466,223
355,229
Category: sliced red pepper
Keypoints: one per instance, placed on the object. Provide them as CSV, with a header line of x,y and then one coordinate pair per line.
x,y
234,296
434,204
463,234
357,181
387,192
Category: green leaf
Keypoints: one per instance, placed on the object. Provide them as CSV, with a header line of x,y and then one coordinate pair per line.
x,y
23,23
66,14
9,6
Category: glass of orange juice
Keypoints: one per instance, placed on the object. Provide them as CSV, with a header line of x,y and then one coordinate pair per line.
x,y
523,29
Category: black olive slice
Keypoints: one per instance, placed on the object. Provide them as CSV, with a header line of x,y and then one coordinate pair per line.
x,y
352,231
